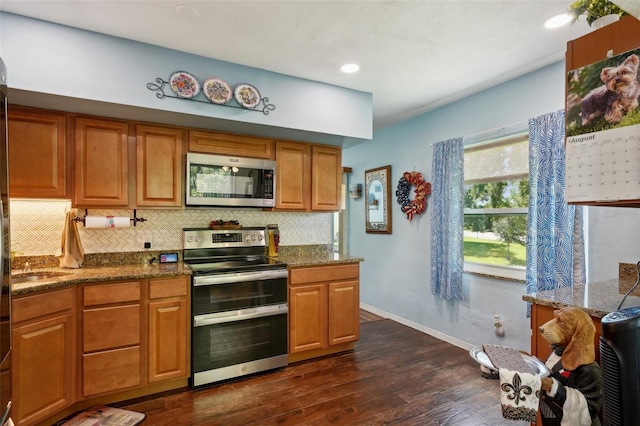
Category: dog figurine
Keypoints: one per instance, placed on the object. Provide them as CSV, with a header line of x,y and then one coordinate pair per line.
x,y
617,96
572,394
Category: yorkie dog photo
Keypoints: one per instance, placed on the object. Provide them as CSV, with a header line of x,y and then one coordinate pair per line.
x,y
617,96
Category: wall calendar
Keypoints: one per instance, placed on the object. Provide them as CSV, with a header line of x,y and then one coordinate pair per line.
x,y
603,166
603,131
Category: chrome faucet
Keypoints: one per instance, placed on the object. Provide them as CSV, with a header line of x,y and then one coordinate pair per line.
x,y
27,267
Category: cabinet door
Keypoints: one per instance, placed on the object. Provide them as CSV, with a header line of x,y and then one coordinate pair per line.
x,y
159,166
230,144
102,163
326,178
168,331
344,315
293,179
38,165
42,363
307,317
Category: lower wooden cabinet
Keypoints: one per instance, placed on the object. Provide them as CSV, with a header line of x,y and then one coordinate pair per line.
x,y
43,356
324,306
169,329
111,337
97,343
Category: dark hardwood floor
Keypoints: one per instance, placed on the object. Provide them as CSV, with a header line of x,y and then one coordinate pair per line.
x,y
395,376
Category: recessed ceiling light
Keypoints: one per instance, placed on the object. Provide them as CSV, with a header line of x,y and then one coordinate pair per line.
x,y
187,11
350,68
558,21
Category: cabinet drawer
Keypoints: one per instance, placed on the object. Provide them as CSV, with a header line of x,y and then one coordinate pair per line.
x,y
39,305
110,370
230,144
324,273
102,294
106,328
171,287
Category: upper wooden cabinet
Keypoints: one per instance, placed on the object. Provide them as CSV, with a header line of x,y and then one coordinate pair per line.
x,y
106,175
326,177
230,144
618,37
38,154
102,163
159,166
293,177
308,177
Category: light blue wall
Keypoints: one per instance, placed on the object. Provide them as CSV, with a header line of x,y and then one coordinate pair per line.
x,y
50,59
395,276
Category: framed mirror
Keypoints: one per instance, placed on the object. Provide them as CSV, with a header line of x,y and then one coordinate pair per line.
x,y
377,193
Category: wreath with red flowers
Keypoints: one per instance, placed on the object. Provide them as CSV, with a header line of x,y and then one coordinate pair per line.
x,y
421,189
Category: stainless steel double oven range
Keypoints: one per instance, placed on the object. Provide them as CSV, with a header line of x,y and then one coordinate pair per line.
x,y
239,304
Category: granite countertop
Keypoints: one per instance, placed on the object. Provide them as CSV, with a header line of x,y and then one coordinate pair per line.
x,y
598,299
315,259
59,277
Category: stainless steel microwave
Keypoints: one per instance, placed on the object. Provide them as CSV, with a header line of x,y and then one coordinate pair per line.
x,y
226,181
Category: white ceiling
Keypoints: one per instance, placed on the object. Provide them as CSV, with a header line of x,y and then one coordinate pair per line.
x,y
414,55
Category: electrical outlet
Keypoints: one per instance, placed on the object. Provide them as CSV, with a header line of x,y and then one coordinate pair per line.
x,y
146,239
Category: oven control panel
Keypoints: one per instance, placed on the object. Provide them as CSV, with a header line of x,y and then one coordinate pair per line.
x,y
213,238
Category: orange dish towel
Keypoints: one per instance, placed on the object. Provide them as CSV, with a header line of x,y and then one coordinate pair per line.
x,y
71,252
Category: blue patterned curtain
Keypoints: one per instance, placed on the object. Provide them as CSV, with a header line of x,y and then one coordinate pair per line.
x,y
555,242
447,215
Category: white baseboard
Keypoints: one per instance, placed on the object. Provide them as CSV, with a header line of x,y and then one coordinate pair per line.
x,y
438,335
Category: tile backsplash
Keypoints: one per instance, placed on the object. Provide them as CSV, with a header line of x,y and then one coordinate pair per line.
x,y
37,225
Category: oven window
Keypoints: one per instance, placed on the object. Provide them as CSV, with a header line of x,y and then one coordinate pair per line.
x,y
229,297
222,345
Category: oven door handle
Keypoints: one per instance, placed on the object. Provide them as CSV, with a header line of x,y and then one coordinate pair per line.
x,y
239,277
244,314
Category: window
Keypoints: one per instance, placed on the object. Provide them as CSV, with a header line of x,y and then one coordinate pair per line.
x,y
496,176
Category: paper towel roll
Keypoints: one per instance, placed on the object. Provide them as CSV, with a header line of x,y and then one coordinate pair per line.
x,y
107,222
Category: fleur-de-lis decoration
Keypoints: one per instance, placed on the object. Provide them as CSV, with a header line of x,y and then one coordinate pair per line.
x,y
519,390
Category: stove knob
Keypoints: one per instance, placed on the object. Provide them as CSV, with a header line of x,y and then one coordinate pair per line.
x,y
198,239
248,238
253,237
190,238
259,237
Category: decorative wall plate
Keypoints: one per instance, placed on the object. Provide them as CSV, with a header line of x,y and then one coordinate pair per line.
x,y
247,95
184,84
217,90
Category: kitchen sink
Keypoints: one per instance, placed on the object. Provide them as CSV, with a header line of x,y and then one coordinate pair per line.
x,y
36,277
